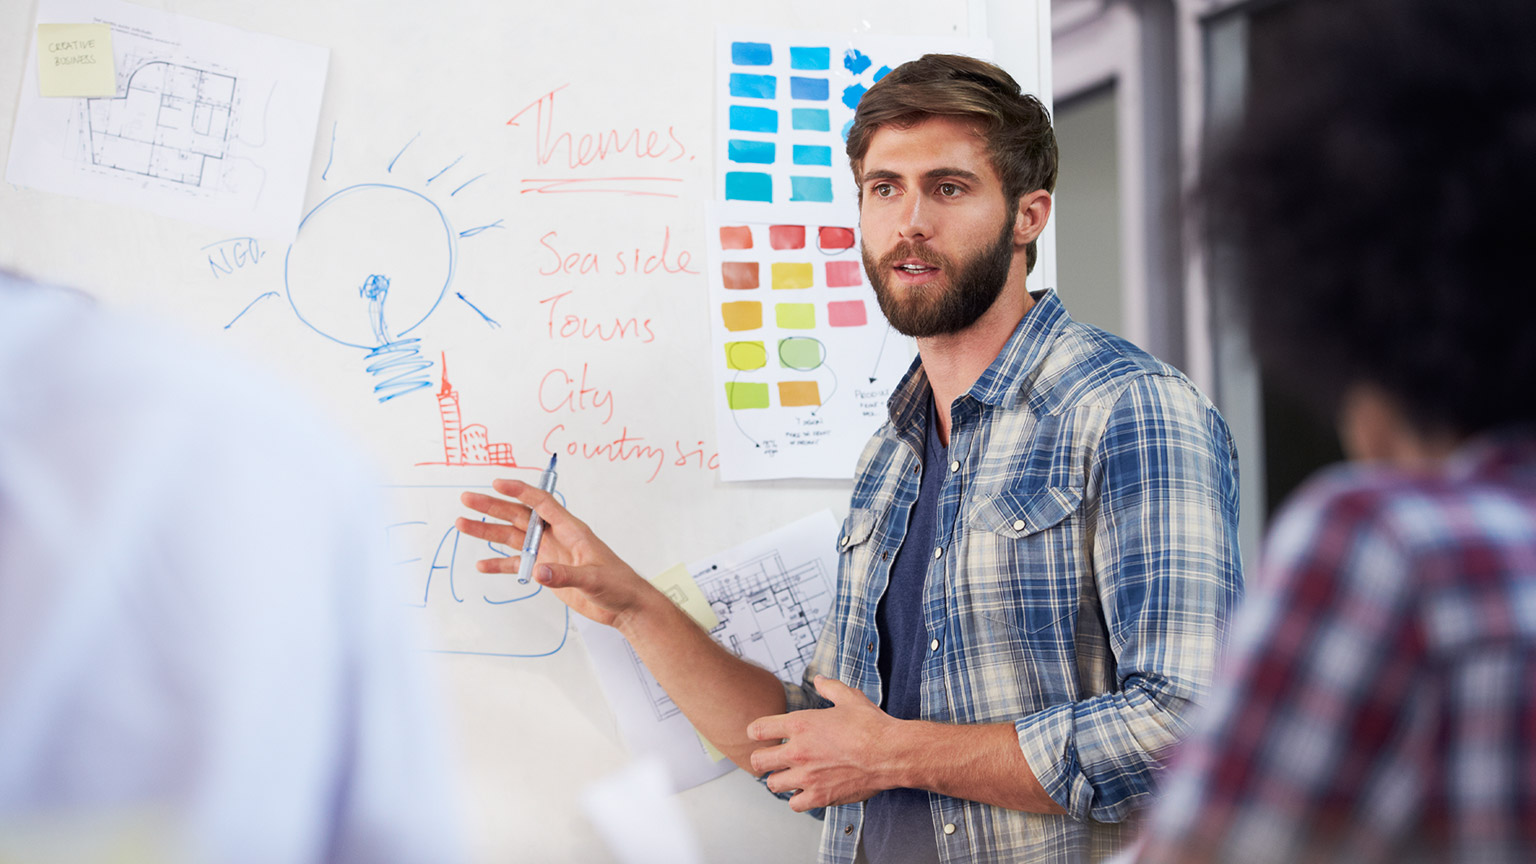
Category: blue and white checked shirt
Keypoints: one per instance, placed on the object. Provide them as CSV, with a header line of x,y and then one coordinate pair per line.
x,y
1086,565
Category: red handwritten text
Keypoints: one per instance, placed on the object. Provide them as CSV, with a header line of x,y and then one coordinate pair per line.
x,y
593,147
559,391
570,326
628,261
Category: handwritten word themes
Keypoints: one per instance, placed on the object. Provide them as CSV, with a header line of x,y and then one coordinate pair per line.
x,y
589,148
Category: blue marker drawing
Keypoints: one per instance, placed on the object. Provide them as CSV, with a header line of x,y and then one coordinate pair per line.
x,y
331,158
403,261
812,57
471,232
248,308
488,319
882,72
853,93
465,183
445,170
751,54
391,168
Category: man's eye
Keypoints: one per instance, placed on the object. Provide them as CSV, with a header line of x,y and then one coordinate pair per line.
x,y
948,190
884,190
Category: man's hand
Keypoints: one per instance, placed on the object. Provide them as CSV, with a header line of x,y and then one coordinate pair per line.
x,y
833,755
581,569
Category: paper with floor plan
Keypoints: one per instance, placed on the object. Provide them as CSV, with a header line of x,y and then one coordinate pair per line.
x,y
770,597
208,123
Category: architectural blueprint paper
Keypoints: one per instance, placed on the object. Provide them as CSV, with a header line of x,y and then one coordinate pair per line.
x,y
209,123
771,596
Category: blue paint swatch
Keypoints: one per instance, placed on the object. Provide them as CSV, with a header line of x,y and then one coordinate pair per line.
x,y
752,186
814,89
752,53
819,57
746,118
881,73
855,61
847,127
753,86
812,119
810,154
851,94
802,188
759,152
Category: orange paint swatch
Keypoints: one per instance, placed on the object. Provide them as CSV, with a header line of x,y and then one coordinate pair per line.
x,y
735,237
799,394
742,316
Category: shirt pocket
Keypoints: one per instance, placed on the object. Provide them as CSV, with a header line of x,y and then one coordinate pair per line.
x,y
1030,558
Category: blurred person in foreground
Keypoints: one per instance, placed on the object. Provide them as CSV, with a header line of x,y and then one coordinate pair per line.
x,y
1380,700
200,657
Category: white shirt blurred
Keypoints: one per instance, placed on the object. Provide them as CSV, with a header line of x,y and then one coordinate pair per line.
x,y
198,641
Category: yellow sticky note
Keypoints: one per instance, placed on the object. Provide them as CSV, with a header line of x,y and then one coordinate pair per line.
x,y
75,60
714,752
682,590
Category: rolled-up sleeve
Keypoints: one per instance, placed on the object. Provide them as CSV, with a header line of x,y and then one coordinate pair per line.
x,y
1162,512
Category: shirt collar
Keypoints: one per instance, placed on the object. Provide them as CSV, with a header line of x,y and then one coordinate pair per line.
x,y
1006,381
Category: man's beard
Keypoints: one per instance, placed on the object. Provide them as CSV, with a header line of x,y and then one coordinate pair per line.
x,y
968,292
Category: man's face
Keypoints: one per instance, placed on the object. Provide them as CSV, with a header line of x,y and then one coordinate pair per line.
x,y
937,232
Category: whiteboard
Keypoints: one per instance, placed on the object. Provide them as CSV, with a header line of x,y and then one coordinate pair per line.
x,y
573,323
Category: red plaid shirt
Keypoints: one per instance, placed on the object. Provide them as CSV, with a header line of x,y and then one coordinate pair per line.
x,y
1380,700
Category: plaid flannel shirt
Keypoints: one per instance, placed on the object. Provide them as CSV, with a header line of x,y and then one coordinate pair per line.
x,y
1086,565
1380,701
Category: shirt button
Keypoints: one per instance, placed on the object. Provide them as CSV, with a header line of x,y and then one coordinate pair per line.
x,y
870,646
844,541
1018,525
938,552
848,830
949,827
954,466
934,644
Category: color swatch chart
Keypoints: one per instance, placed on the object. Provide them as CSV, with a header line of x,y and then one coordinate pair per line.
x,y
784,103
803,359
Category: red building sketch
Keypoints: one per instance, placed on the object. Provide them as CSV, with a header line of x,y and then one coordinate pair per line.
x,y
466,444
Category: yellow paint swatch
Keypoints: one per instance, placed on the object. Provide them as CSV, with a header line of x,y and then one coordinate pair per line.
x,y
683,591
75,60
746,394
798,394
787,276
794,316
742,315
745,355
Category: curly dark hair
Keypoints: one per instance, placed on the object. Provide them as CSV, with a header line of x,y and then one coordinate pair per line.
x,y
1016,125
1380,200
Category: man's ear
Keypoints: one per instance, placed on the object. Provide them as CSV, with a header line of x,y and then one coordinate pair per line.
x,y
1034,210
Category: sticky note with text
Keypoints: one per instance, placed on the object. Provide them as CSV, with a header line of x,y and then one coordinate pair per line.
x,y
75,60
682,590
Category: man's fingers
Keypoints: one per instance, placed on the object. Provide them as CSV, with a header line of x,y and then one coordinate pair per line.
x,y
509,512
492,532
837,691
771,728
768,759
543,503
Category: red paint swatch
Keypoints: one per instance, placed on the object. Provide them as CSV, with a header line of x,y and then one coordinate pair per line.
x,y
735,237
843,274
846,313
786,236
739,275
835,239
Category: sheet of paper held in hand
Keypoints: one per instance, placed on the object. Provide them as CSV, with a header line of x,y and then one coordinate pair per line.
x,y
765,600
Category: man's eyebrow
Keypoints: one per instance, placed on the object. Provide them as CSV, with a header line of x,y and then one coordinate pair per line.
x,y
934,174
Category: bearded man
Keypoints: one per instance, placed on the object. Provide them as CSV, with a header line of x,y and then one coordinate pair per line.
x,y
1041,550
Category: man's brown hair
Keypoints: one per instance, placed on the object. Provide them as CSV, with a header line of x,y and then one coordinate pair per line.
x,y
1017,128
